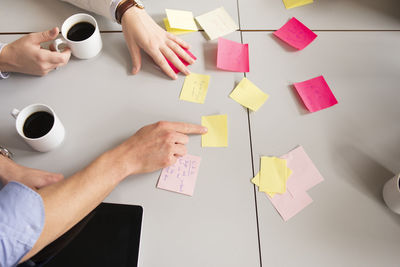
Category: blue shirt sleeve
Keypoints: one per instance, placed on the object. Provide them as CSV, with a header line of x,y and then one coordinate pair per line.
x,y
21,222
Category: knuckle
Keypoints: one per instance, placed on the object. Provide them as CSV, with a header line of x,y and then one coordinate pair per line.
x,y
154,44
161,124
168,161
40,58
160,61
169,147
169,136
31,35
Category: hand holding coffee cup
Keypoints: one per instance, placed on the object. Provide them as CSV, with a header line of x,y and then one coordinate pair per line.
x,y
81,34
39,126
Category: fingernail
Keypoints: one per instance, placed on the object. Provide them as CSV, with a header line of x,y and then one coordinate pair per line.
x,y
134,70
175,77
53,31
204,129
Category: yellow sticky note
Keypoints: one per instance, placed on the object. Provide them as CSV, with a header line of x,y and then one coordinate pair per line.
x,y
256,179
217,135
195,88
296,3
180,19
217,23
249,95
273,175
174,31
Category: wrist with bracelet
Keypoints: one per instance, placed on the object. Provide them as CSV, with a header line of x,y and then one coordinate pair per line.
x,y
6,153
5,165
124,5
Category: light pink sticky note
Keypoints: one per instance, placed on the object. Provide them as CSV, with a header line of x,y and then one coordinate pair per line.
x,y
316,94
305,175
288,205
181,59
180,177
295,34
232,56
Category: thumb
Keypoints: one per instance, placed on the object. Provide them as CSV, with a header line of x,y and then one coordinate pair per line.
x,y
136,58
40,37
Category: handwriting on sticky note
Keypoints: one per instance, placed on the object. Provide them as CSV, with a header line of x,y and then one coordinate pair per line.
x,y
195,88
175,69
174,31
217,23
296,3
217,134
180,177
316,94
295,34
180,19
232,56
249,95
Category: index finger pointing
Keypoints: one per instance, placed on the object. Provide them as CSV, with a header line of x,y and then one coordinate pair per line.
x,y
188,128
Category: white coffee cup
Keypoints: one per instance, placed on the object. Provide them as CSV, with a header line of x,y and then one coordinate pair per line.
x,y
48,141
391,194
83,49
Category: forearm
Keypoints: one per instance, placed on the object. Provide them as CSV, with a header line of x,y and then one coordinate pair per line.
x,y
101,7
70,200
4,64
7,170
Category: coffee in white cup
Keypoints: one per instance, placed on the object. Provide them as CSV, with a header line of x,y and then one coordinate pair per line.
x,y
39,126
81,34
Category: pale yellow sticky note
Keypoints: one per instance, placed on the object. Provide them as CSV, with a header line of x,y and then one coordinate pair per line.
x,y
217,23
195,88
249,95
256,179
174,31
296,3
272,166
180,19
273,175
217,135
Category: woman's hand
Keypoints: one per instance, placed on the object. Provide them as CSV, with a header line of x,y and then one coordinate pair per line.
x,y
141,31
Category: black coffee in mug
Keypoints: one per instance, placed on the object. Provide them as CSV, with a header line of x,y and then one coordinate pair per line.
x,y
80,31
38,124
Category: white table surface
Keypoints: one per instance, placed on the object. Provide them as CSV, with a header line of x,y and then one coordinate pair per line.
x,y
100,105
354,144
322,14
45,14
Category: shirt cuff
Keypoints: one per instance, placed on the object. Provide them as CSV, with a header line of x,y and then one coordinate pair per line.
x,y
21,222
5,75
113,8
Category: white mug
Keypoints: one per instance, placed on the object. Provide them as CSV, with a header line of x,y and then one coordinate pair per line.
x,y
50,140
83,49
391,194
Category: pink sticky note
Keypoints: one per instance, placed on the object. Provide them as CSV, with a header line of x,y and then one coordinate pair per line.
x,y
295,34
232,56
316,94
305,175
183,61
288,205
180,177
